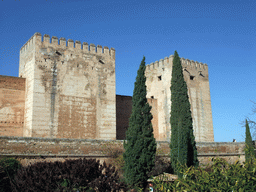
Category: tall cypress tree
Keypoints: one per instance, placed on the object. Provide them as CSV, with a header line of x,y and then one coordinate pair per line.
x,y
183,145
140,144
249,149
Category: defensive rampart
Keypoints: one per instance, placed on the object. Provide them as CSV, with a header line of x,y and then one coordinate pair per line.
x,y
68,91
39,149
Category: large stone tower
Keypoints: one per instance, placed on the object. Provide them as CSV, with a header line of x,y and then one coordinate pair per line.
x,y
158,83
70,91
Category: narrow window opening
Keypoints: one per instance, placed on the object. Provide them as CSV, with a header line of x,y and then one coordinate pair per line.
x,y
200,73
192,77
159,78
152,97
102,62
58,53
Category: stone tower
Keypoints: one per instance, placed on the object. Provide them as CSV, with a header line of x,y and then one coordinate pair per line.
x,y
70,91
158,84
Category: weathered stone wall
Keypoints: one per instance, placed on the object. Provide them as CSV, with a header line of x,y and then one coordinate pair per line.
x,y
158,84
197,79
12,102
70,90
154,121
230,151
124,111
46,148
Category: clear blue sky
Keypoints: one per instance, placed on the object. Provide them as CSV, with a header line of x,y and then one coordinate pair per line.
x,y
219,33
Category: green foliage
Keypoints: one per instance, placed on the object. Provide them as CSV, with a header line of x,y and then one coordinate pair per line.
x,y
140,144
249,149
160,184
161,165
82,174
183,145
115,150
220,176
8,169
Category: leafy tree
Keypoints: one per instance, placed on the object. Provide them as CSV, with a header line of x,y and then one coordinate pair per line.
x,y
140,144
249,149
251,123
183,145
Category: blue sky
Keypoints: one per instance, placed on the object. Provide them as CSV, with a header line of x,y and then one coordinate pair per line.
x,y
219,33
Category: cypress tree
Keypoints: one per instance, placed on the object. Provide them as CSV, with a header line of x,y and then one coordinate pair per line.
x,y
183,145
140,144
249,149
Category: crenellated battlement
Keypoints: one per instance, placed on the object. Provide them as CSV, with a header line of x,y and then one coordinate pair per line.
x,y
62,43
193,64
167,61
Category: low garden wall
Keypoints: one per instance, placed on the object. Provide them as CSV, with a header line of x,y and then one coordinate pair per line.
x,y
30,150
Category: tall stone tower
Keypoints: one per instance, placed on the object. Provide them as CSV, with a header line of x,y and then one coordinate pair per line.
x,y
70,91
158,84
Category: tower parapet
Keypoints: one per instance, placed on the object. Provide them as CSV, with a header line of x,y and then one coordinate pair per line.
x,y
185,63
70,44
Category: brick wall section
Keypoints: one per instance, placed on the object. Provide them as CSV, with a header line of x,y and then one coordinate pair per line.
x,y
12,102
32,148
230,151
123,113
10,82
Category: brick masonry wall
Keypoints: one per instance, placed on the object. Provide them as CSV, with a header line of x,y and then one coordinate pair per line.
x,y
123,113
12,102
37,149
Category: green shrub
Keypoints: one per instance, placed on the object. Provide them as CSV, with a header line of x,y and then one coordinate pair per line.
x,y
115,151
71,175
220,176
8,169
161,166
